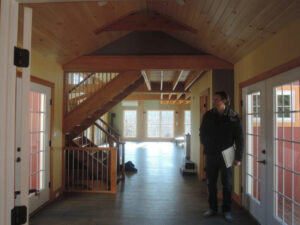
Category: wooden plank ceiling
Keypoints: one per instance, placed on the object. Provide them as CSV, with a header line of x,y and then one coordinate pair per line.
x,y
228,29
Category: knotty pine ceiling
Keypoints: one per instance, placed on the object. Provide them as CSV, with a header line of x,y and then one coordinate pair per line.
x,y
228,29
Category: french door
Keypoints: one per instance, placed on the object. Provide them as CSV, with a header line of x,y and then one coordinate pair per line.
x,y
255,150
39,150
272,161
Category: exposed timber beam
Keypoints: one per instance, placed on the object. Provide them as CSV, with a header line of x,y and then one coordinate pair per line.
x,y
145,21
168,87
146,62
192,78
140,97
147,81
161,80
177,79
187,96
179,95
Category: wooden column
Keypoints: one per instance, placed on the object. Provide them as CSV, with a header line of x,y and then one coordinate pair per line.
x,y
141,138
179,120
113,170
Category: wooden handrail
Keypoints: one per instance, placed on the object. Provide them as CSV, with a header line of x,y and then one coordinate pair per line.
x,y
90,148
77,85
110,127
108,134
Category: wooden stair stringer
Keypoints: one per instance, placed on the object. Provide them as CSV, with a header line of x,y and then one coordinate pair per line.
x,y
99,99
105,108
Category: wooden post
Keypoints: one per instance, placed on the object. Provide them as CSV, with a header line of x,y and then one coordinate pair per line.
x,y
113,170
8,39
141,138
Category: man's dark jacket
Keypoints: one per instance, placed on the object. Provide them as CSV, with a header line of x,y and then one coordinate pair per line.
x,y
218,132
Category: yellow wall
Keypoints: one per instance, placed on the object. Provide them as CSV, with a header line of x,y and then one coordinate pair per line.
x,y
51,71
281,48
203,84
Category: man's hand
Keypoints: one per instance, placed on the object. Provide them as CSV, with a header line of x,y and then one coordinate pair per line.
x,y
237,163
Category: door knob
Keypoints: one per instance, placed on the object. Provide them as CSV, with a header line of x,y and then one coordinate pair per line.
x,y
262,161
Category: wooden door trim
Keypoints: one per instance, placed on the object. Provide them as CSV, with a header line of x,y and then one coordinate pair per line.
x,y
205,93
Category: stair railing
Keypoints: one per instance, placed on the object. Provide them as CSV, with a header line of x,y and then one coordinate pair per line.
x,y
114,140
81,85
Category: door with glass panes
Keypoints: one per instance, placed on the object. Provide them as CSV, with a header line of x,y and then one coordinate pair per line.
x,y
39,146
272,160
254,168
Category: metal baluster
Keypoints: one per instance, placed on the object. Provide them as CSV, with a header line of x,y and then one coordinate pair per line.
x,y
87,174
78,169
82,166
107,169
102,172
92,169
73,178
68,169
97,169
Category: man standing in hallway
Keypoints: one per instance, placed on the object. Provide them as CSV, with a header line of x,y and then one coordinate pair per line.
x,y
220,129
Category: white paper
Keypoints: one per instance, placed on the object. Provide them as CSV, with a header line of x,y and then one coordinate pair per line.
x,y
228,156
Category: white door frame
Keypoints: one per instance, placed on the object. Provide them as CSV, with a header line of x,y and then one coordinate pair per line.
x,y
8,39
257,209
24,173
283,78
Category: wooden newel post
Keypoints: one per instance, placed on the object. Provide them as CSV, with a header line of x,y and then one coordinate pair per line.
x,y
113,170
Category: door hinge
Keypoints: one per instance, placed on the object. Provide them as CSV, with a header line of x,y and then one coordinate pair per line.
x,y
49,184
51,102
50,143
242,103
204,105
19,215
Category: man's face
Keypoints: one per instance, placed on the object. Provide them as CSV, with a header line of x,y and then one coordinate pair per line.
x,y
218,102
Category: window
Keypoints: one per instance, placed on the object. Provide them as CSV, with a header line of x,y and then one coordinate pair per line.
x,y
256,105
76,78
160,124
187,122
130,124
98,136
37,135
284,104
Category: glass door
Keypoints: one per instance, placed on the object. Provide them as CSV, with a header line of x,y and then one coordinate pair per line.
x,y
284,142
254,169
39,148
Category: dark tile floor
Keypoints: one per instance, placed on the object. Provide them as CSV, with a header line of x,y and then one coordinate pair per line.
x,y
156,195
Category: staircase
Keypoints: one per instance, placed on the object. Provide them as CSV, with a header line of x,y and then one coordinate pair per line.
x,y
94,165
100,102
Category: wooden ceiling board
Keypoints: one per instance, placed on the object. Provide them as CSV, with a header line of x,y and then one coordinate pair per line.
x,y
67,28
228,29
231,29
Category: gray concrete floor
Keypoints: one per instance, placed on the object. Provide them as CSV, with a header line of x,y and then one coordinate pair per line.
x,y
156,195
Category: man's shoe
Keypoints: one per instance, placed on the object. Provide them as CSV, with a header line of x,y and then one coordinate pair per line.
x,y
210,213
228,217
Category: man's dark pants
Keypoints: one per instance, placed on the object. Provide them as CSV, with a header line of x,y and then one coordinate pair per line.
x,y
214,164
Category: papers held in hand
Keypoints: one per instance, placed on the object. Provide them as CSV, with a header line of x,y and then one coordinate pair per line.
x,y
228,156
